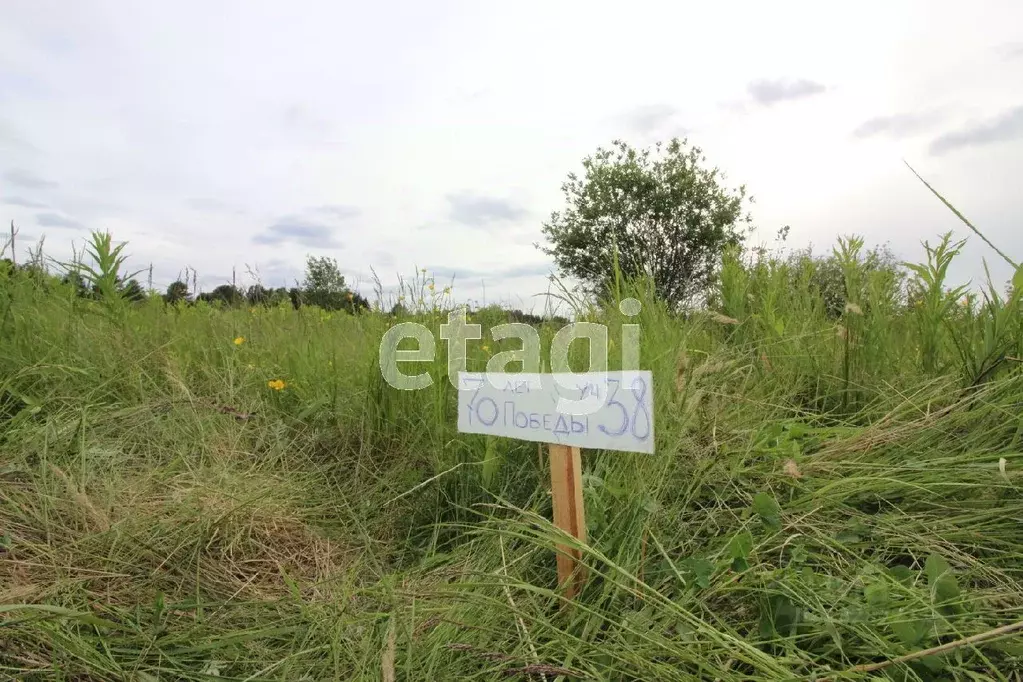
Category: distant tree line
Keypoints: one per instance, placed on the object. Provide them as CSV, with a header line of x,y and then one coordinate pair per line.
x,y
257,295
323,286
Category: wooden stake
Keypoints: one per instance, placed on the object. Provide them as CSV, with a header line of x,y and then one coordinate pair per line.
x,y
569,515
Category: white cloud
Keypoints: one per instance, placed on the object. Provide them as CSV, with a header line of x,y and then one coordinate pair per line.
x,y
769,92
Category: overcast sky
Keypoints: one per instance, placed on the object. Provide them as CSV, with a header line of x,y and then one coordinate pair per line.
x,y
437,134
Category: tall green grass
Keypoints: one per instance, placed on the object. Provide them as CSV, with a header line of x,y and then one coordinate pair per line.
x,y
831,490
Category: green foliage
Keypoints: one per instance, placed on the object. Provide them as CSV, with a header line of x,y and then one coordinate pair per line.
x,y
656,212
322,275
101,276
104,273
177,292
324,286
987,336
846,276
257,294
767,509
212,491
132,291
940,578
224,294
739,548
931,301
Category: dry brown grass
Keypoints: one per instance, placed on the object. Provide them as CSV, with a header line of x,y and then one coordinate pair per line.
x,y
254,539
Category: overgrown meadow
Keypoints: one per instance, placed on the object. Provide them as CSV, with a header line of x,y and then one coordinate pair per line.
x,y
191,492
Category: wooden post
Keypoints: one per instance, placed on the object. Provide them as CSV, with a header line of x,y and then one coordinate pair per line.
x,y
569,514
495,403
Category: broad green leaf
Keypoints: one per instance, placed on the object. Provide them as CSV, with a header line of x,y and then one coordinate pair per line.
x,y
901,573
773,431
767,509
701,569
905,632
739,548
797,430
876,594
786,616
779,617
934,663
946,588
740,545
910,633
935,567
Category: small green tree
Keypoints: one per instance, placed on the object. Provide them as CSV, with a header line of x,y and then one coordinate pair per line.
x,y
325,286
74,279
828,278
354,302
177,291
658,213
257,294
225,294
323,274
295,296
104,274
279,296
132,291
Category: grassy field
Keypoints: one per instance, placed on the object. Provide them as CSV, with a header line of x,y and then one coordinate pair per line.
x,y
192,493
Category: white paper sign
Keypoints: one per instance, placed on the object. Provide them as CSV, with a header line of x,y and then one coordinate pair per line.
x,y
602,410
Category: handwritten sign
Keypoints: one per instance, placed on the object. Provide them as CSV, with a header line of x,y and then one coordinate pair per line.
x,y
601,410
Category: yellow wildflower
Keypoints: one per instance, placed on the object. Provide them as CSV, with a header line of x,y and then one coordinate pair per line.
x,y
276,384
239,340
431,286
447,290
486,348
